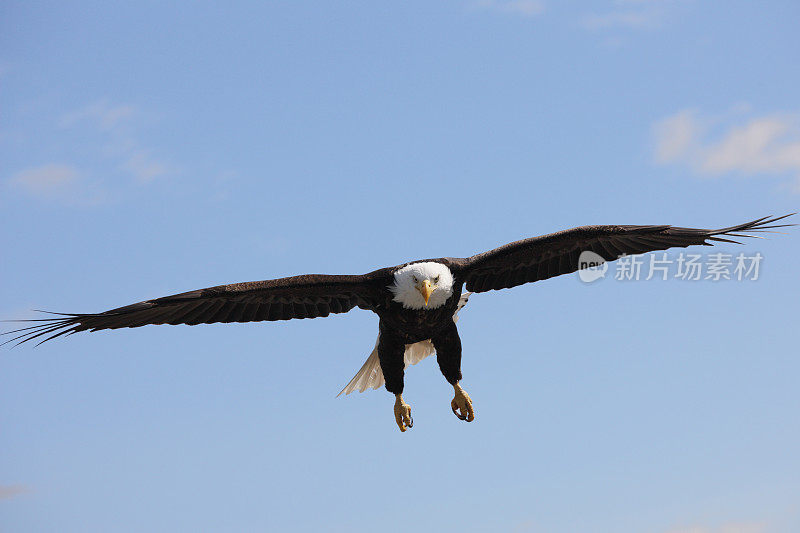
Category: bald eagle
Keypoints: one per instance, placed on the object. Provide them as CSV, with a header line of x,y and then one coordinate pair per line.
x,y
416,302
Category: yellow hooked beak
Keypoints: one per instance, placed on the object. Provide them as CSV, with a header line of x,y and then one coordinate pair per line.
x,y
425,290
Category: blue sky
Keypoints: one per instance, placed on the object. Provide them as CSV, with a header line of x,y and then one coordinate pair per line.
x,y
151,148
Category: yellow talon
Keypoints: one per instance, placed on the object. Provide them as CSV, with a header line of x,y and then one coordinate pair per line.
x,y
463,403
402,413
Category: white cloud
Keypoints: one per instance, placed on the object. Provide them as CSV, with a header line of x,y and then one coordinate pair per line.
x,y
143,167
9,491
102,114
116,125
631,14
527,8
676,136
46,180
57,182
727,528
758,146
762,145
627,19
95,153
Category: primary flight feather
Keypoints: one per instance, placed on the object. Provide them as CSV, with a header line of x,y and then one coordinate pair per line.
x,y
416,302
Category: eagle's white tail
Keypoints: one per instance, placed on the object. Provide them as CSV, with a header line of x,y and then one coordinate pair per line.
x,y
371,376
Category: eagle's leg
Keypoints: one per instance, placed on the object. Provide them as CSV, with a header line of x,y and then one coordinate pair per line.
x,y
391,350
448,355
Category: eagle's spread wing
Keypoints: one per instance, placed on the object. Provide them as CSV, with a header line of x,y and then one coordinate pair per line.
x,y
308,296
551,255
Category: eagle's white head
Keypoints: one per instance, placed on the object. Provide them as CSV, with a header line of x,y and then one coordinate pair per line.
x,y
422,285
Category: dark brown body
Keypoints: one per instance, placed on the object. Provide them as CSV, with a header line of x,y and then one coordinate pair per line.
x,y
399,326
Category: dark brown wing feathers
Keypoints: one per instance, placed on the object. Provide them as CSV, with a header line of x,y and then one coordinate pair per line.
x,y
308,296
317,295
551,255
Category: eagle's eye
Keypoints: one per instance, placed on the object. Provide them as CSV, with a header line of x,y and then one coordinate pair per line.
x,y
416,280
436,279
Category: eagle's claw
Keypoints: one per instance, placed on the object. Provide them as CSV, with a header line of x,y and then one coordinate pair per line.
x,y
402,414
454,407
463,403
